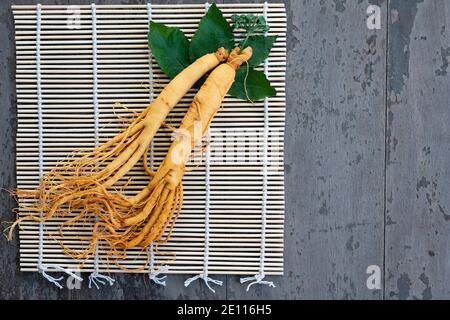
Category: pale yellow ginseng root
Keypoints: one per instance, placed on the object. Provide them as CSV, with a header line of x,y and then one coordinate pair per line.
x,y
162,198
90,173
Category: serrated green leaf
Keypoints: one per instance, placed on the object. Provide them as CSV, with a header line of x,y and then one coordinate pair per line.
x,y
250,23
213,32
255,87
170,47
261,46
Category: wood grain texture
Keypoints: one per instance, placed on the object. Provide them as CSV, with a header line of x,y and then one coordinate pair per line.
x,y
418,136
334,154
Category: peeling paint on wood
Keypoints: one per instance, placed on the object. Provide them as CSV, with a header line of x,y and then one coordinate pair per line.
x,y
418,174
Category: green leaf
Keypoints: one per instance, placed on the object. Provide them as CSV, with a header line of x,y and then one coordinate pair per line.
x,y
257,85
261,46
213,32
170,47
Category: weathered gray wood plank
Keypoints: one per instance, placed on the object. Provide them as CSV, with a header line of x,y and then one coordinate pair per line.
x,y
418,162
334,152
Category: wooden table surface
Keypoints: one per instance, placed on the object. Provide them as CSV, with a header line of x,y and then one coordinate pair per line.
x,y
367,153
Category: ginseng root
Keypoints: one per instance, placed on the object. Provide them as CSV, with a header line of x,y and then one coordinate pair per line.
x,y
90,173
163,196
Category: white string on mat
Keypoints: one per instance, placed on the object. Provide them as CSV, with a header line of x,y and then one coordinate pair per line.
x,y
44,268
204,274
154,274
258,278
95,278
150,76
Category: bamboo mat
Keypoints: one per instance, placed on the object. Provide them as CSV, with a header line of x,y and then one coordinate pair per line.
x,y
124,73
